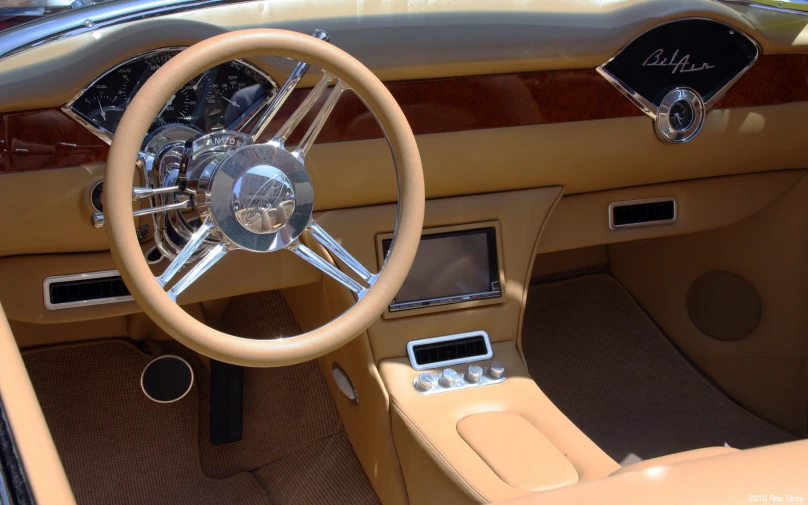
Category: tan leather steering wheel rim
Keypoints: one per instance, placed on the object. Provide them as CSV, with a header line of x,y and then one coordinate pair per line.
x,y
119,174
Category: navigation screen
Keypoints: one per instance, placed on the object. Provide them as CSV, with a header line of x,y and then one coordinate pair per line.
x,y
450,268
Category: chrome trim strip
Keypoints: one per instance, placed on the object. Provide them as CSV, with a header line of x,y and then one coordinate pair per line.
x,y
446,300
762,6
461,383
106,135
79,21
78,277
644,105
649,108
641,201
411,349
165,356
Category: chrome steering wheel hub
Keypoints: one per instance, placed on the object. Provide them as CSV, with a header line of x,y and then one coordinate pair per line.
x,y
261,198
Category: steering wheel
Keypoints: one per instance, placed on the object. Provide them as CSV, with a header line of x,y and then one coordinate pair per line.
x,y
258,196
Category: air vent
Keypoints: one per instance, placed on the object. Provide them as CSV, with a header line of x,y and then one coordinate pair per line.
x,y
79,290
648,212
449,350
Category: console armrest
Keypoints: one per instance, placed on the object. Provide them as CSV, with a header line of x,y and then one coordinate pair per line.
x,y
431,421
516,451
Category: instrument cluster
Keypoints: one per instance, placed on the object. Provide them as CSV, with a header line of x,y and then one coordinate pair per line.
x,y
219,98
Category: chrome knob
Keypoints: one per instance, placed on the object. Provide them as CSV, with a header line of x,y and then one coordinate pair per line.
x,y
474,374
448,378
496,370
424,382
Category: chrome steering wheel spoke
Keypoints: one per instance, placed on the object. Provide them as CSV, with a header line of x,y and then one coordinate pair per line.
x,y
327,241
327,268
319,121
335,248
280,138
197,239
299,114
216,253
294,120
280,97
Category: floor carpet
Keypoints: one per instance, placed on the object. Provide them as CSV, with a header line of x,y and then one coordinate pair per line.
x,y
118,447
605,364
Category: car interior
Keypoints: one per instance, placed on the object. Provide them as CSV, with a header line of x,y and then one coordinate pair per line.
x,y
534,252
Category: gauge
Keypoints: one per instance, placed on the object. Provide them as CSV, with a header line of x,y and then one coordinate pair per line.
x,y
179,108
681,115
105,100
234,91
154,63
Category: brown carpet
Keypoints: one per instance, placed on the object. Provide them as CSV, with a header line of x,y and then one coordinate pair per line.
x,y
606,365
118,447
324,472
284,408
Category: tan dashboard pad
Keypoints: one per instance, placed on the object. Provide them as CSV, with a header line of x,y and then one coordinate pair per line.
x,y
516,451
118,202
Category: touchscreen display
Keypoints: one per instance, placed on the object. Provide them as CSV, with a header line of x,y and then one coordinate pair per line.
x,y
451,268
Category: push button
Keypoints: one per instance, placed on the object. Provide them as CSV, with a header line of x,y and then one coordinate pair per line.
x,y
424,382
474,374
448,378
496,370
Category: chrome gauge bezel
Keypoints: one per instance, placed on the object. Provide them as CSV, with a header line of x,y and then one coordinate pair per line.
x,y
665,129
107,136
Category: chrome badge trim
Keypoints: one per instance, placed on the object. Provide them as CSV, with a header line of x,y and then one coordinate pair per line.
x,y
649,108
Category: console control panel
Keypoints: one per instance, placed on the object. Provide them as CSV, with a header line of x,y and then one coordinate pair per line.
x,y
449,379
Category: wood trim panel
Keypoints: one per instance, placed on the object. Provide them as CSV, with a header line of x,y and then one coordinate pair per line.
x,y
46,139
480,102
773,80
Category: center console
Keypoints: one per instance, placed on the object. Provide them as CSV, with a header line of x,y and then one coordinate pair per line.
x,y
492,441
468,423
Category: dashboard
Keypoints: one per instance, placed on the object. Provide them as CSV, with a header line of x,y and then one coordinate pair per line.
x,y
219,98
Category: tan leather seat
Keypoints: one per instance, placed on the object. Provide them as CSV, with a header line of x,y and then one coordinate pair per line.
x,y
670,459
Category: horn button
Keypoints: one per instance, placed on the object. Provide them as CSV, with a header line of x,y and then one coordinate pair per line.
x,y
261,197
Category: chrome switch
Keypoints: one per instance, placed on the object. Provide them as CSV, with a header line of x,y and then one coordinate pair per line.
x,y
496,370
448,378
424,382
474,374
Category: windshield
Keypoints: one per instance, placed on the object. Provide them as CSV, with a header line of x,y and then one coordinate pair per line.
x,y
17,12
